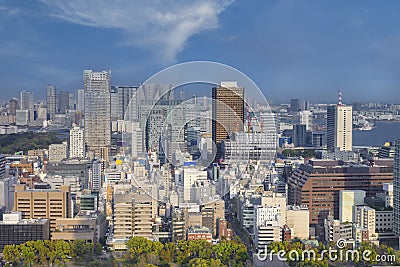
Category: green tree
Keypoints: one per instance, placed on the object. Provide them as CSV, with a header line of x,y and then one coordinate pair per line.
x,y
42,251
12,254
198,262
139,247
28,254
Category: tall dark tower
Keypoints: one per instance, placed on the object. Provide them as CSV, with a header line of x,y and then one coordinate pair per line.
x,y
228,108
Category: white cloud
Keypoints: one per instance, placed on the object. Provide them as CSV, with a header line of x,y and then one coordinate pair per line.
x,y
161,25
9,11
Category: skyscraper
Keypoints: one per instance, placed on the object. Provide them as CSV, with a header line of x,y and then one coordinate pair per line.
x,y
339,127
51,101
299,135
63,102
95,176
26,103
125,96
228,98
97,112
12,107
295,105
80,102
115,105
396,188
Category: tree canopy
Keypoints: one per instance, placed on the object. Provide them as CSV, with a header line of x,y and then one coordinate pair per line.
x,y
11,143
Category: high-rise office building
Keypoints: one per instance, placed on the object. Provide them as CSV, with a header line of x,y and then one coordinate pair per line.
x,y
115,105
228,107
306,118
295,105
80,102
26,103
71,102
51,101
76,143
95,176
299,135
125,96
396,188
339,127
97,113
63,102
12,107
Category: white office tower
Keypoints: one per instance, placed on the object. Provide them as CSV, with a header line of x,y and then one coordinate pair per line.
x,y
115,105
340,127
51,101
26,103
76,143
267,226
348,199
306,119
191,177
97,113
80,101
137,142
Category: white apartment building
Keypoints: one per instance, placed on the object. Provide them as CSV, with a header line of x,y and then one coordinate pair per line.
x,y
76,143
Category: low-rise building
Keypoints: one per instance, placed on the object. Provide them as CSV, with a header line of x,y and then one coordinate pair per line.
x,y
335,230
196,233
14,230
58,152
86,225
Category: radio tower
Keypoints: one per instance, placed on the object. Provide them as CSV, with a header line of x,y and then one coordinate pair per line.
x,y
340,98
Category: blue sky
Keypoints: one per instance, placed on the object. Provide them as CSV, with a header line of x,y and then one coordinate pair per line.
x,y
291,49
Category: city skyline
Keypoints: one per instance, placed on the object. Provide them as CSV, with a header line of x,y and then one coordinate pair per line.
x,y
311,55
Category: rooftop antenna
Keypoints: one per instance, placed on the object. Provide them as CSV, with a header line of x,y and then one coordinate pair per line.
x,y
340,98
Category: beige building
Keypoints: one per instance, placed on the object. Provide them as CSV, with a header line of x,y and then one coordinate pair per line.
x,y
340,127
365,217
88,226
216,209
272,199
133,215
43,203
58,152
298,220
123,228
347,200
